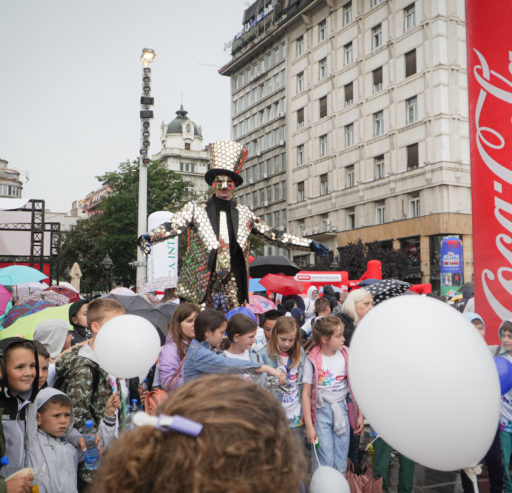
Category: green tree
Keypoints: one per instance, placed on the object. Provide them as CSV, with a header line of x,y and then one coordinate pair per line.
x,y
354,257
114,231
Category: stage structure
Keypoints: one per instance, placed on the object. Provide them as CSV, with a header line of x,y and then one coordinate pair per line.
x,y
25,238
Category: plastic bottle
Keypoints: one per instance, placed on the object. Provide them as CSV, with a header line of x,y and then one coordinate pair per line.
x,y
128,420
92,454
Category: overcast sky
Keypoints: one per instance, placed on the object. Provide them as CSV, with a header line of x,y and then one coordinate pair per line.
x,y
70,83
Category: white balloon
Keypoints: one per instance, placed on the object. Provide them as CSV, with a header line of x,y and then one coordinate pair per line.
x,y
328,480
127,346
426,381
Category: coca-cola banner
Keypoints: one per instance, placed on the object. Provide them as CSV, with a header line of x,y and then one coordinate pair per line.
x,y
490,125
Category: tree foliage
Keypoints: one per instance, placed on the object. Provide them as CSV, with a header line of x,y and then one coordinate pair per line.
x,y
114,231
354,257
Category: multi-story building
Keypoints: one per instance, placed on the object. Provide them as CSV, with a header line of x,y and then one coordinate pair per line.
x,y
89,205
10,183
183,151
375,121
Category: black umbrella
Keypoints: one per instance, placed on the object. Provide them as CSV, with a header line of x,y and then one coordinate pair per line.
x,y
468,289
273,264
158,315
384,290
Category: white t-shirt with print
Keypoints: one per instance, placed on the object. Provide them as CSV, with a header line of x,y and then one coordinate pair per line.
x,y
245,356
291,400
332,377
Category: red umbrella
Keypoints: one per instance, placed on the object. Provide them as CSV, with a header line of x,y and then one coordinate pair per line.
x,y
278,283
71,295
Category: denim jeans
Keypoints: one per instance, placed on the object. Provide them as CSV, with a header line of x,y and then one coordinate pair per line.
x,y
332,449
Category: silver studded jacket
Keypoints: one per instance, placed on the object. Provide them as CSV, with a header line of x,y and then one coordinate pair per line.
x,y
202,243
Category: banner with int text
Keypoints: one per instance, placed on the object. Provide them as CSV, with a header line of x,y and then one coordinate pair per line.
x,y
163,259
490,126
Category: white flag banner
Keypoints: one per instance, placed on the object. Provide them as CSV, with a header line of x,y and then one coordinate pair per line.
x,y
163,259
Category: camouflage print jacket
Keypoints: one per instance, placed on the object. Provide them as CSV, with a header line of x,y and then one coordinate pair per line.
x,y
86,384
200,219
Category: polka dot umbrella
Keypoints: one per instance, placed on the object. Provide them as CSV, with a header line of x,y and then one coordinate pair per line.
x,y
386,289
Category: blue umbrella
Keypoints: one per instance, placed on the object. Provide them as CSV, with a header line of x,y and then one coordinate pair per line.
x,y
254,285
20,274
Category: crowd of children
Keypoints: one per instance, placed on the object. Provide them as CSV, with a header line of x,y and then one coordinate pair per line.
x,y
49,391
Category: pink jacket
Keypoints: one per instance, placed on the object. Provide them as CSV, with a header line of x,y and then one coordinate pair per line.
x,y
315,356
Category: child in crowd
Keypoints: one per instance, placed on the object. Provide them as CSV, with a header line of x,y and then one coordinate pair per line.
x,y
19,388
80,377
210,327
309,308
241,334
285,353
505,333
78,319
328,406
244,445
172,355
49,453
493,459
23,484
43,358
269,322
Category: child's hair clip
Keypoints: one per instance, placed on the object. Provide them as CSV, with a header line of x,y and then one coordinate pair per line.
x,y
168,423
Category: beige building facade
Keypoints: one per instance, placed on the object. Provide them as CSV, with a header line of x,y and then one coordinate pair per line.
x,y
183,151
372,120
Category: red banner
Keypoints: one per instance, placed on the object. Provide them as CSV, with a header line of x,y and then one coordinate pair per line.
x,y
490,125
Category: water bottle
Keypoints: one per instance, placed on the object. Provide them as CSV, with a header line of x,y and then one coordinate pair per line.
x,y
128,420
92,454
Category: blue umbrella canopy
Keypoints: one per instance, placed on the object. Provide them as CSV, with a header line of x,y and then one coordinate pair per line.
x,y
20,274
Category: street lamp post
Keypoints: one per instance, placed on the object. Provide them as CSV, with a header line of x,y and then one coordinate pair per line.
x,y
107,265
146,114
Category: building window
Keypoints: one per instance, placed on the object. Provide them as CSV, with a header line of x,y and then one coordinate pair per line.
x,y
380,211
373,3
299,46
323,145
269,194
377,79
349,135
277,192
414,204
300,118
348,53
410,63
322,69
377,36
412,156
411,110
350,178
300,192
349,93
300,155
378,123
324,187
351,218
283,194
347,13
300,82
409,17
322,31
323,106
379,167
187,146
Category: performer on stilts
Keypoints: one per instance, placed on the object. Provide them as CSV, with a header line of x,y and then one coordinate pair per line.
x,y
215,268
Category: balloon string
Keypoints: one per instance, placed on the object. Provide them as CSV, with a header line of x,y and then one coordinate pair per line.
x,y
472,473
